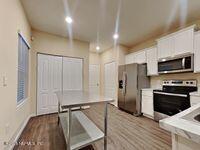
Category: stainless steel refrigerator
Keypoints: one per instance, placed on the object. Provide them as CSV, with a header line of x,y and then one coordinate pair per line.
x,y
132,78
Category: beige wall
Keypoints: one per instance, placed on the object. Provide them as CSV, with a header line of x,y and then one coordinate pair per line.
x,y
117,55
12,20
56,45
94,58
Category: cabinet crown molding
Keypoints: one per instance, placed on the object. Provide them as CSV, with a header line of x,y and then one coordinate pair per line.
x,y
194,27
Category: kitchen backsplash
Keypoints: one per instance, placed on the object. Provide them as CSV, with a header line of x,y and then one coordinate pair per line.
x,y
156,81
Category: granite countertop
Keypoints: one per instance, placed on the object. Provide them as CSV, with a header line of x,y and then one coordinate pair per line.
x,y
180,125
147,89
75,98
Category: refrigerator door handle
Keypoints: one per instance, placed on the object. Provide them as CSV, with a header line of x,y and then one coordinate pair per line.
x,y
124,82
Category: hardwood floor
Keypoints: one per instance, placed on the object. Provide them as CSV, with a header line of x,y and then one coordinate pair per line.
x,y
125,132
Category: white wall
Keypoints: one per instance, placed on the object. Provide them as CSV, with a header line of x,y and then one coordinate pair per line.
x,y
12,20
116,54
94,58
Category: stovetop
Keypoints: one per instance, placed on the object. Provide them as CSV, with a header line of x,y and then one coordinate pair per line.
x,y
179,86
177,89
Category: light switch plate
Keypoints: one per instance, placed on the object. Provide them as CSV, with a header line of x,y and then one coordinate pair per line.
x,y
4,81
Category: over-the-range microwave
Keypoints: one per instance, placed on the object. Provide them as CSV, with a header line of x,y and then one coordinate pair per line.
x,y
175,65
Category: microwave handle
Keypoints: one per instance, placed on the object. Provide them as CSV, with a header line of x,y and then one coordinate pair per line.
x,y
183,63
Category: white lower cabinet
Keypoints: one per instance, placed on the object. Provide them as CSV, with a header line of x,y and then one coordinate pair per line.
x,y
194,99
147,103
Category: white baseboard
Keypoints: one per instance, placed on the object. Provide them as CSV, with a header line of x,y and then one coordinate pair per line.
x,y
18,133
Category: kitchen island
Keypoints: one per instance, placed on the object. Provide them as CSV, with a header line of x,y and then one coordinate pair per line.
x,y
185,129
79,131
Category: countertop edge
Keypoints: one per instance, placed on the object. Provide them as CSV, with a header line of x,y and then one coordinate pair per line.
x,y
175,124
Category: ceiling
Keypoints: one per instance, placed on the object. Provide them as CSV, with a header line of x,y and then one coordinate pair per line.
x,y
95,21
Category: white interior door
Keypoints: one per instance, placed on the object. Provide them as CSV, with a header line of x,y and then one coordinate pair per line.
x,y
94,78
72,73
110,76
49,81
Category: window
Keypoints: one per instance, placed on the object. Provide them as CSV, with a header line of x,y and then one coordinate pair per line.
x,y
23,59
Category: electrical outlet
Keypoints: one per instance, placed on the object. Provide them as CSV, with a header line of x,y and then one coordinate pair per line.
x,y
7,128
4,81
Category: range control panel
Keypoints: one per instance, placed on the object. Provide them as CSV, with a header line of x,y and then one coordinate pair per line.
x,y
192,83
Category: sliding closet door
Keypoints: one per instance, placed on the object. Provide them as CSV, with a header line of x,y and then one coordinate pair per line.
x,y
49,81
72,73
55,72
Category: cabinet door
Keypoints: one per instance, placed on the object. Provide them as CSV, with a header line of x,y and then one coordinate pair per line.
x,y
197,52
147,105
140,57
183,42
165,47
152,61
129,58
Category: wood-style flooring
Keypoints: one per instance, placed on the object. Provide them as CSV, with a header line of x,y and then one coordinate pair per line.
x,y
125,132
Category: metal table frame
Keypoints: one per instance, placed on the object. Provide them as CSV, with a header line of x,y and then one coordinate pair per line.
x,y
70,124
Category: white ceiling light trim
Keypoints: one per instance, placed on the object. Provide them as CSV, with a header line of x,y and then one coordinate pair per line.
x,y
97,48
69,20
115,36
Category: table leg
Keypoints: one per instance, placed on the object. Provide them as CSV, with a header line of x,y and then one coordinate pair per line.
x,y
105,125
58,112
69,129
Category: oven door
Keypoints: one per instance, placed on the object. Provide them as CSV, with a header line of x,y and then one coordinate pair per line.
x,y
169,103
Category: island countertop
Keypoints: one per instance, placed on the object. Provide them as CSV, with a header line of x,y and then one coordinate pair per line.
x,y
180,124
75,98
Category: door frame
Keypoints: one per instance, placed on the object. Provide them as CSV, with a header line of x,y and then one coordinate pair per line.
x,y
37,58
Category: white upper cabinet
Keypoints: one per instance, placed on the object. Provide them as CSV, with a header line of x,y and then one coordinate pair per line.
x,y
137,57
184,42
197,52
165,47
129,59
176,44
152,63
140,57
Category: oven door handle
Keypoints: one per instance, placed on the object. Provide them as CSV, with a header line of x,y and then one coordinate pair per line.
x,y
171,94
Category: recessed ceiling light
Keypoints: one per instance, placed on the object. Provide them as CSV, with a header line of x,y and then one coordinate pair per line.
x,y
68,20
97,48
115,36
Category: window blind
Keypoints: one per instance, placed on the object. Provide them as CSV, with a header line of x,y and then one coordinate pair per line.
x,y
23,59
